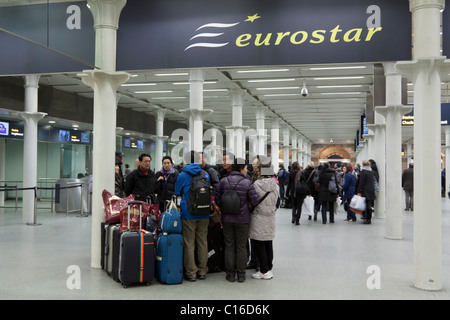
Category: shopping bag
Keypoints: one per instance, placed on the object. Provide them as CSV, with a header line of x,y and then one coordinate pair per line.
x,y
114,206
308,206
358,204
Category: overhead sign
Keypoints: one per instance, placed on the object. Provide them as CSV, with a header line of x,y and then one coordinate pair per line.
x,y
204,33
408,119
46,38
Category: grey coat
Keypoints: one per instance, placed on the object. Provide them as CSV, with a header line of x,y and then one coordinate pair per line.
x,y
262,225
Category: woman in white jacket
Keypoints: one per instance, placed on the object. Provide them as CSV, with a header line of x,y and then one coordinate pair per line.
x,y
262,225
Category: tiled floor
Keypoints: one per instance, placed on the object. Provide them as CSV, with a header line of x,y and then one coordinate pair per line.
x,y
312,261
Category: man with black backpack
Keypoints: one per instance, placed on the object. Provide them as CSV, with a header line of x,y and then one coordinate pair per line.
x,y
193,185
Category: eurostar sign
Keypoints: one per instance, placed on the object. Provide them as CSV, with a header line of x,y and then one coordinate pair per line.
x,y
214,33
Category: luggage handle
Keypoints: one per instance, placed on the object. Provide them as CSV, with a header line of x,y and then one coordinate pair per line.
x,y
140,213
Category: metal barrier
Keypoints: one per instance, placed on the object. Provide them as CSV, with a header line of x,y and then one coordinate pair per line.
x,y
57,188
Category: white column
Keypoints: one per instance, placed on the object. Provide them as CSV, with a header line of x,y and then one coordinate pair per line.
x,y
160,113
294,148
196,114
104,82
275,143
370,143
393,112
424,71
260,130
286,147
236,130
31,117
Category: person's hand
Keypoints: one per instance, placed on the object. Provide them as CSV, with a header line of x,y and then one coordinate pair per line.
x,y
160,178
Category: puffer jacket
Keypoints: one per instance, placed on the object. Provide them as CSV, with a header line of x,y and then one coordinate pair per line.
x,y
247,194
262,225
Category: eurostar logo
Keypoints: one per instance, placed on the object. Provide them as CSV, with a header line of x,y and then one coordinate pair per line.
x,y
297,37
216,27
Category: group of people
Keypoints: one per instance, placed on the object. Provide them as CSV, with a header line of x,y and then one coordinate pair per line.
x,y
248,232
328,186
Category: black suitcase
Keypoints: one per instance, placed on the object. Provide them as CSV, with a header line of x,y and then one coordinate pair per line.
x,y
137,254
216,249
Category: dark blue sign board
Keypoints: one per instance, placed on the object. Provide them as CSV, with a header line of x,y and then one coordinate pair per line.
x,y
46,38
160,34
408,119
213,33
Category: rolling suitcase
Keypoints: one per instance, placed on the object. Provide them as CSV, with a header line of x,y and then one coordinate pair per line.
x,y
111,259
137,254
216,249
169,258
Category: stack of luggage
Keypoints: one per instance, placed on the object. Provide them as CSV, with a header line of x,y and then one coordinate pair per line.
x,y
169,246
128,250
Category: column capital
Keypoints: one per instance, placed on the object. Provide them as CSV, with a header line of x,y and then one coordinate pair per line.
x,y
410,68
32,80
160,114
94,77
106,13
385,110
33,116
197,114
196,75
425,4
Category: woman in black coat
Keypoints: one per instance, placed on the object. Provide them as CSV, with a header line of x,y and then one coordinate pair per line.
x,y
165,182
326,197
295,197
365,187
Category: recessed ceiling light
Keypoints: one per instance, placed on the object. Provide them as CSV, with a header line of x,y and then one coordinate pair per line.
x,y
168,98
340,86
272,80
171,74
336,68
51,121
280,88
161,91
137,84
340,78
267,70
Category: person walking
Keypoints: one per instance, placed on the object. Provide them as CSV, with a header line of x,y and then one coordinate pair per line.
x,y
348,191
291,194
408,186
236,226
366,188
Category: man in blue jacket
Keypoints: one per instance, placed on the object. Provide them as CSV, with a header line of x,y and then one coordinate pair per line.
x,y
194,227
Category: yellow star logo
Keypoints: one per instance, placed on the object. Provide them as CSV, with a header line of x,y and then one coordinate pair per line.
x,y
252,18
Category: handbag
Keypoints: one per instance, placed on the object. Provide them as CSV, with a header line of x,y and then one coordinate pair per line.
x,y
308,206
170,220
358,204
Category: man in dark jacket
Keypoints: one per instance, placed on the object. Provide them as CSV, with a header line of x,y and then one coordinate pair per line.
x,y
141,182
326,197
365,187
408,186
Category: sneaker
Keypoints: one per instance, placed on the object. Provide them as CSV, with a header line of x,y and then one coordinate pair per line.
x,y
263,276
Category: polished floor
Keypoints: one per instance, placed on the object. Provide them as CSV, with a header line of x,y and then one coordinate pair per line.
x,y
312,261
